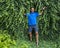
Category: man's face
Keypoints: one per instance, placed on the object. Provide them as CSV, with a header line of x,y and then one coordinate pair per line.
x,y
32,10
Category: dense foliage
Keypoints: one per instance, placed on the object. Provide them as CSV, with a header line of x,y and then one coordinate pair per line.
x,y
5,39
11,17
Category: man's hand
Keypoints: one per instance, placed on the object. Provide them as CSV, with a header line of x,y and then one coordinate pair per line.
x,y
24,15
44,8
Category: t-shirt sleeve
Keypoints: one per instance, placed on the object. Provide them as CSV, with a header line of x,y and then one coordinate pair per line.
x,y
37,14
27,14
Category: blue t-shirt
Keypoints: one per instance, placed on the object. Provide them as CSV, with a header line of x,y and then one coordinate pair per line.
x,y
32,18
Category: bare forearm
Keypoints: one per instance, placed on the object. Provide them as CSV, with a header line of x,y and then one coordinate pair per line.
x,y
24,15
42,11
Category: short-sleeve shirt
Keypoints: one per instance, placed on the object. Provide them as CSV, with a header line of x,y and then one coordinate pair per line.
x,y
32,18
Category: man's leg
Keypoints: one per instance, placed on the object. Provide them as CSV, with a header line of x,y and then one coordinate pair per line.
x,y
30,34
36,32
37,38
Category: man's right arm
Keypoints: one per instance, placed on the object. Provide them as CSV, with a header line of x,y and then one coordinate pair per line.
x,y
24,15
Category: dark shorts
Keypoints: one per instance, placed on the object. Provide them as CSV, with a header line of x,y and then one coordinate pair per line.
x,y
31,27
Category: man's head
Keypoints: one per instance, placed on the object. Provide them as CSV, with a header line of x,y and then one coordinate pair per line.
x,y
32,9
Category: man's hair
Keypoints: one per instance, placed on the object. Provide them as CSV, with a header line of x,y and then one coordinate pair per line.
x,y
32,7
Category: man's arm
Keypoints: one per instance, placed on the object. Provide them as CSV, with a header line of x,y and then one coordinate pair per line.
x,y
42,10
24,15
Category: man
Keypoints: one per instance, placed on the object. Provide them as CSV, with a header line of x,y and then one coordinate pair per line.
x,y
32,22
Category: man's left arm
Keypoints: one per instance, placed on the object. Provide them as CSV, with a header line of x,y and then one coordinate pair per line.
x,y
42,11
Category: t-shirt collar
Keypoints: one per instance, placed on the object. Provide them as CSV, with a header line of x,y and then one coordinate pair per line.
x,y
32,12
